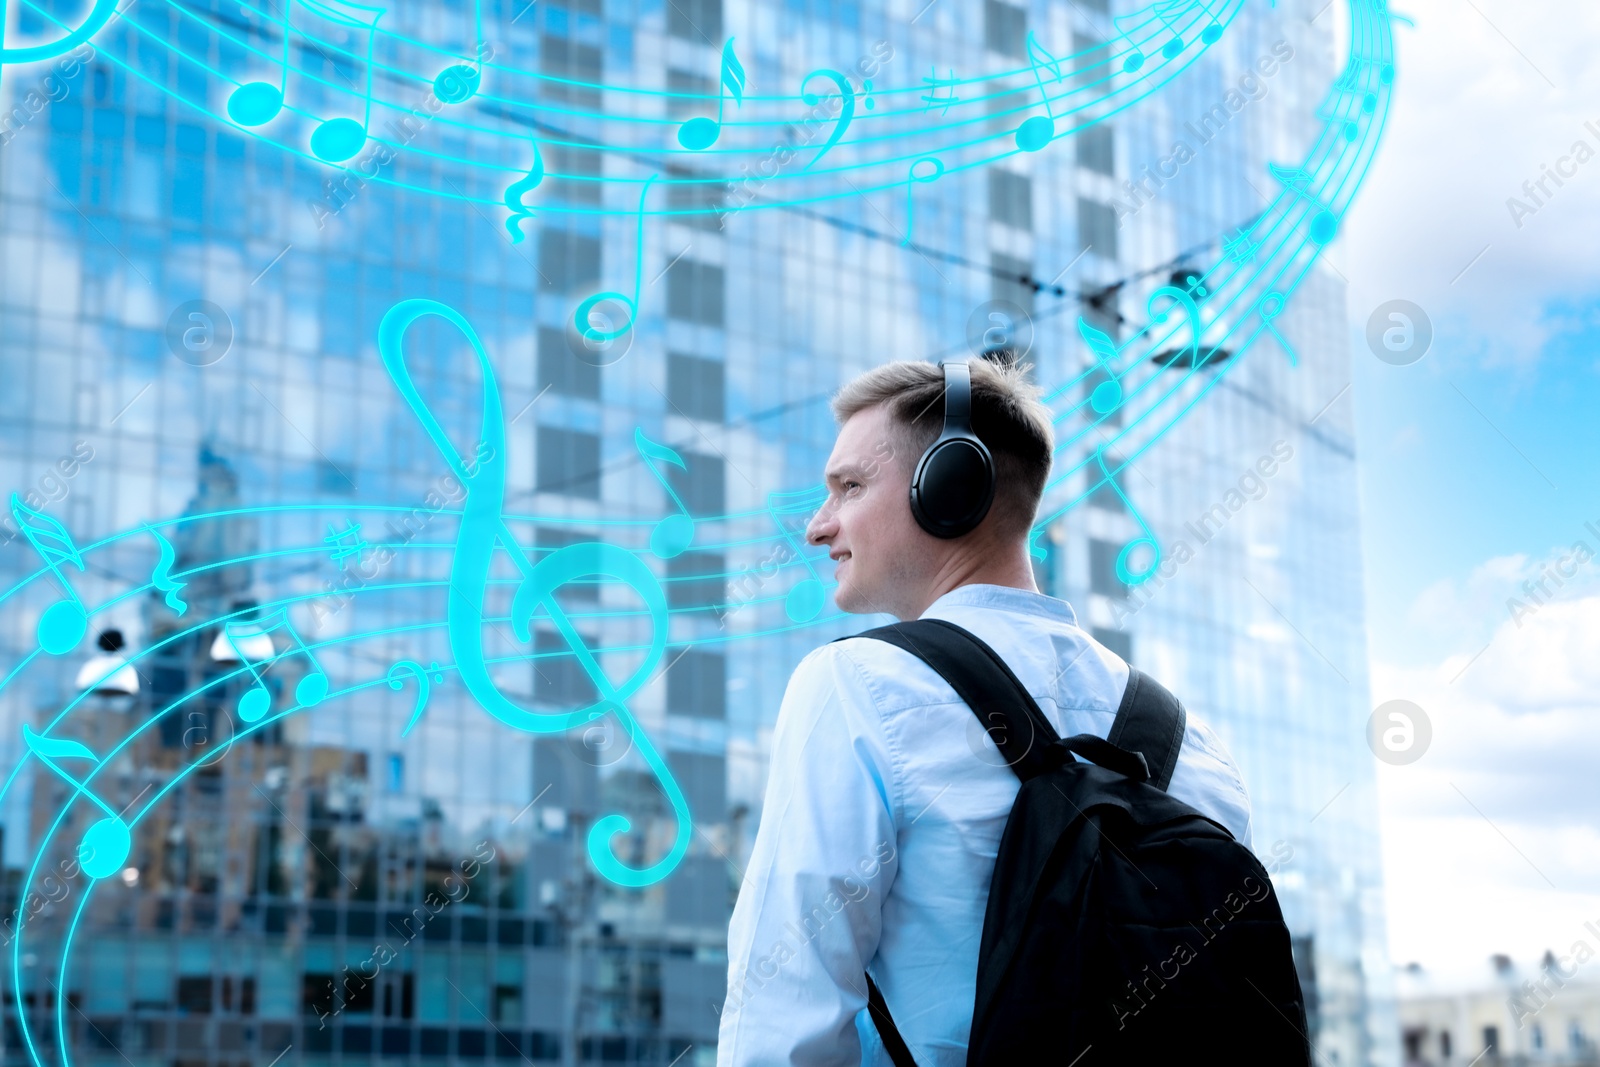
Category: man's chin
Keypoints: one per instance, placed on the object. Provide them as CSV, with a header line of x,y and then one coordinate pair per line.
x,y
850,599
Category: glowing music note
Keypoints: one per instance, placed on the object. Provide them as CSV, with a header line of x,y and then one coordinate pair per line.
x,y
1125,574
1107,396
1185,299
458,83
1324,223
1352,83
106,844
482,529
847,107
1038,131
701,133
396,682
583,317
674,533
1270,307
161,576
1167,11
257,700
805,601
913,176
257,103
519,189
63,624
98,16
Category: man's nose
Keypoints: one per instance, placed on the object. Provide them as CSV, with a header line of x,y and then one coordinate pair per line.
x,y
822,526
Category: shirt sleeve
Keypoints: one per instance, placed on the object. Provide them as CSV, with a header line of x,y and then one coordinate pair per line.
x,y
1207,779
808,917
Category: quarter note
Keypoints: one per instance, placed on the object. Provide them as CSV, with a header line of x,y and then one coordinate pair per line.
x,y
911,177
106,844
701,133
1125,574
63,624
257,700
674,533
161,575
257,103
1107,396
1297,180
583,318
1038,131
521,188
458,83
805,601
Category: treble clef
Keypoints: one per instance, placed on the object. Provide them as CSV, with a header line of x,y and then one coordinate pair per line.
x,y
482,528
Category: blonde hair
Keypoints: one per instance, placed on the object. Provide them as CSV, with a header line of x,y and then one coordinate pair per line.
x,y
1007,415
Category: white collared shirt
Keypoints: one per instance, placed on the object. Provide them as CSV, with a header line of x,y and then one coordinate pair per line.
x,y
883,814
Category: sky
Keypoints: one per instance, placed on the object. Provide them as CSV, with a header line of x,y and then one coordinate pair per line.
x,y
1478,474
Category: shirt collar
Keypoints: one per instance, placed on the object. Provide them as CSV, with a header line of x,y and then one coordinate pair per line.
x,y
1005,598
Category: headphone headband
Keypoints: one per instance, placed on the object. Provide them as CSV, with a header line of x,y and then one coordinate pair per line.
x,y
957,397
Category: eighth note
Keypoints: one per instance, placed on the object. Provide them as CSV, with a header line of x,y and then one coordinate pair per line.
x,y
1125,574
257,700
674,533
257,103
1324,223
1107,396
106,844
700,133
1038,131
63,624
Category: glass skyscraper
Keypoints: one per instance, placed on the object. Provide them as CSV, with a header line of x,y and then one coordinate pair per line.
x,y
188,322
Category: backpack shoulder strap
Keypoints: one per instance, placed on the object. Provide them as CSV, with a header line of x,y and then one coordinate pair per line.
x,y
1005,708
983,680
1150,721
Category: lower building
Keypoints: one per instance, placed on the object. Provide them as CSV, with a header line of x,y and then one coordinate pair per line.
x,y
1509,1015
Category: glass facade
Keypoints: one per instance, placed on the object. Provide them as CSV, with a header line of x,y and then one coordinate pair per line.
x,y
187,327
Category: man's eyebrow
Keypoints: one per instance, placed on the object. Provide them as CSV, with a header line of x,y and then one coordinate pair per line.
x,y
845,470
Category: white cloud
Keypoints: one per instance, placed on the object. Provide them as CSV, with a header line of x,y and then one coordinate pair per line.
x,y
1490,840
1473,118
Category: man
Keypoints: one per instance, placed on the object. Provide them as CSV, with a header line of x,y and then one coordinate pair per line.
x,y
886,800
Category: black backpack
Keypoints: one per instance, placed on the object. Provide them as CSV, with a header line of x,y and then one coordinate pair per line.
x,y
1123,927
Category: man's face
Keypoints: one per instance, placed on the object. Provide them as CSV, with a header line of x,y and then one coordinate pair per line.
x,y
879,551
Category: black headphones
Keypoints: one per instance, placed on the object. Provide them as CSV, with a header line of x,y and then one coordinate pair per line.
x,y
954,482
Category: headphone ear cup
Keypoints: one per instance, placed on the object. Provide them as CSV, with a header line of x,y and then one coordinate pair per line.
x,y
953,487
